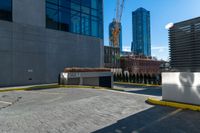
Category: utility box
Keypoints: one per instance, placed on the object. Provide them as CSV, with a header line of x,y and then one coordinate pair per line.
x,y
88,77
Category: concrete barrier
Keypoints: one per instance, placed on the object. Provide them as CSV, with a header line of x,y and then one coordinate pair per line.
x,y
181,87
102,79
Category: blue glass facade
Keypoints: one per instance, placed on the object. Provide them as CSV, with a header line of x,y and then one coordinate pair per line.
x,y
141,44
6,10
83,17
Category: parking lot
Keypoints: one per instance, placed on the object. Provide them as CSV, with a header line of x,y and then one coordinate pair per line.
x,y
90,110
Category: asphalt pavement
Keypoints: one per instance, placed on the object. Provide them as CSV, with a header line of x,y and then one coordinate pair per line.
x,y
89,110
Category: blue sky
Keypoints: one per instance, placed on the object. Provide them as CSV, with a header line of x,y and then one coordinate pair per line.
x,y
162,13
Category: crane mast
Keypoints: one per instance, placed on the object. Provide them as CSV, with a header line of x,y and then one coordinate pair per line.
x,y
115,33
119,10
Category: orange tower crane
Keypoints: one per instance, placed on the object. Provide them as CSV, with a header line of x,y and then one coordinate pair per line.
x,y
117,20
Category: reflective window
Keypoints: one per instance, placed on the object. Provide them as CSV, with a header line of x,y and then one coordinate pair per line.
x,y
95,4
64,3
85,9
75,7
52,17
85,24
95,28
86,3
75,22
6,10
64,19
77,16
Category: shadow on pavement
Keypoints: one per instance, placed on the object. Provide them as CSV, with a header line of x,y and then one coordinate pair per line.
x,y
148,91
145,90
157,120
37,88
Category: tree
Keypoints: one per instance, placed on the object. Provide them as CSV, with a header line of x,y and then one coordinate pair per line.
x,y
149,79
145,78
126,77
130,78
154,79
134,78
137,78
141,78
160,79
121,77
114,77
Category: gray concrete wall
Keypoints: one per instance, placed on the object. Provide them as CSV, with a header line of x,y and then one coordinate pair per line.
x,y
30,12
33,54
181,87
91,81
85,78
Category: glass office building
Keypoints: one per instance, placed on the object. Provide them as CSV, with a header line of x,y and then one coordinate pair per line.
x,y
76,16
6,10
141,44
39,38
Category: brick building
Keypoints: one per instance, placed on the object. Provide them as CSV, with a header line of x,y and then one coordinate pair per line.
x,y
141,65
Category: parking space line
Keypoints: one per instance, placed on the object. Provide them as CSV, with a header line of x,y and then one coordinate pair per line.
x,y
171,114
4,102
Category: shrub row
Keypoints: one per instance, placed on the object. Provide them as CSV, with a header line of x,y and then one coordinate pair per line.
x,y
136,78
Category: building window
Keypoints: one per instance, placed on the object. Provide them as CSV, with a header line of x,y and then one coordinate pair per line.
x,y
6,10
76,16
75,25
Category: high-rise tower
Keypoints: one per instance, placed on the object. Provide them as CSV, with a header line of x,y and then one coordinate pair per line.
x,y
111,29
141,44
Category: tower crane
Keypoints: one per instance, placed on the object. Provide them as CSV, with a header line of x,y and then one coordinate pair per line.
x,y
115,32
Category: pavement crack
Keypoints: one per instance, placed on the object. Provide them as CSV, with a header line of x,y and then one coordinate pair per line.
x,y
11,103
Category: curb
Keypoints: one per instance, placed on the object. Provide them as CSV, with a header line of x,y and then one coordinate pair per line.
x,y
127,83
35,87
173,104
43,87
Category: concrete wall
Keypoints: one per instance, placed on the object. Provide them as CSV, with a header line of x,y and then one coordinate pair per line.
x,y
87,78
31,12
91,80
32,54
181,87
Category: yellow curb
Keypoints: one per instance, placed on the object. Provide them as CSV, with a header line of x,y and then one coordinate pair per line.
x,y
16,89
173,104
127,83
40,87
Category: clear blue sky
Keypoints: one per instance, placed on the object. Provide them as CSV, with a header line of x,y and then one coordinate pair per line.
x,y
162,13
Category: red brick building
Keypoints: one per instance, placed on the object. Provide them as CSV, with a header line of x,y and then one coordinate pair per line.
x,y
141,65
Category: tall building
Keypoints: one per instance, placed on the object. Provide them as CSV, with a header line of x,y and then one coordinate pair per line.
x,y
141,44
181,84
185,46
37,43
111,27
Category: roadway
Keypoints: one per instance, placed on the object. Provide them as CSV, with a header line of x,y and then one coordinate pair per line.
x,y
89,110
